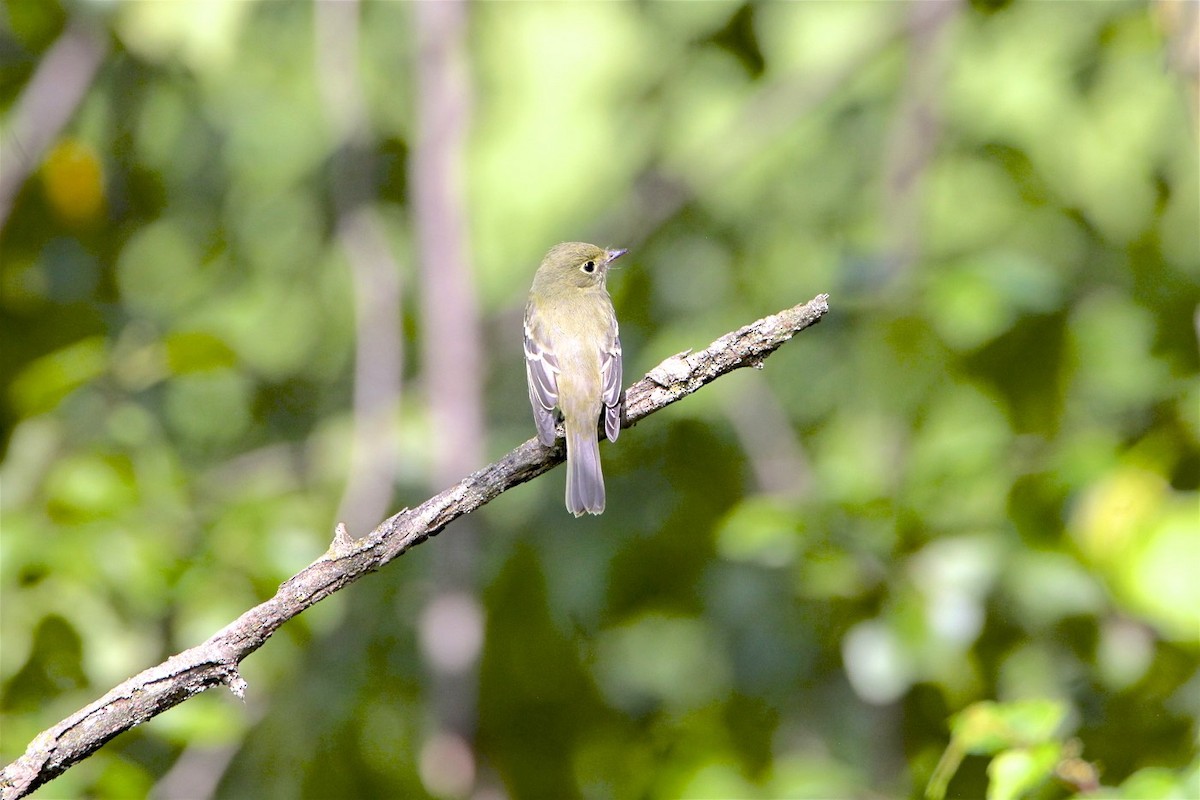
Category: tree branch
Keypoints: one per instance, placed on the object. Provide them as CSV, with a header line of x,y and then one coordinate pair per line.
x,y
46,105
214,662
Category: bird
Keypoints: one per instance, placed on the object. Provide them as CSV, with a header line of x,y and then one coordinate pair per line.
x,y
573,362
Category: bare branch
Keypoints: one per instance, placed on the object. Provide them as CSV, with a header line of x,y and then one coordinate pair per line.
x,y
216,661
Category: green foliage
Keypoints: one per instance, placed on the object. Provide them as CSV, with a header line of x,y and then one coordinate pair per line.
x,y
945,541
1020,736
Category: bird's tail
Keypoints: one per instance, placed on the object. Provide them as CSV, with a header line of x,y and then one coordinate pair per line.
x,y
585,481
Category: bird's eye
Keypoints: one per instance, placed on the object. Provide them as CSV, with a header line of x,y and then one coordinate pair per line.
x,y
589,266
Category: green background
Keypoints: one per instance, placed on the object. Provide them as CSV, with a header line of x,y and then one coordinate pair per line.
x,y
977,479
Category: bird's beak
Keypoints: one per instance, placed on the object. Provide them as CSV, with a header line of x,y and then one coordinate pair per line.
x,y
613,255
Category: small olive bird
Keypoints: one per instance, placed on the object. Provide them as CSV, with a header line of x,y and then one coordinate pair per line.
x,y
573,361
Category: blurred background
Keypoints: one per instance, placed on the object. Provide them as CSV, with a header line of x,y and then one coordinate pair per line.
x,y
263,269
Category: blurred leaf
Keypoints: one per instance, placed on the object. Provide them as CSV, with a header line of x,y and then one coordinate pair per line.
x,y
34,23
197,351
717,779
815,778
1016,772
877,665
1020,734
44,383
201,34
1116,512
83,487
855,457
210,407
972,204
759,530
973,302
121,778
1112,339
74,181
1158,783
54,666
952,479
1158,575
209,723
158,270
1049,586
986,728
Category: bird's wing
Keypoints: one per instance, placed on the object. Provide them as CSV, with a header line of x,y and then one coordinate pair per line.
x,y
541,373
610,373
